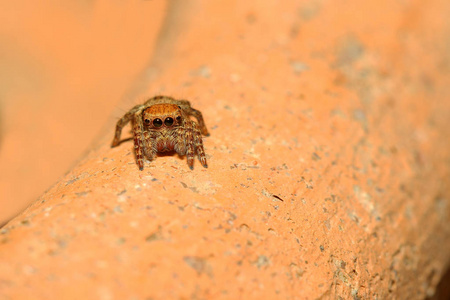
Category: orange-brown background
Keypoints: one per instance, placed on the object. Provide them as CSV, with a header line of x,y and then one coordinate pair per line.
x,y
328,157
64,67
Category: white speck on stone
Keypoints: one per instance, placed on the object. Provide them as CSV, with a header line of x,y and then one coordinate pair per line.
x,y
47,211
122,198
299,67
234,77
102,264
28,270
104,293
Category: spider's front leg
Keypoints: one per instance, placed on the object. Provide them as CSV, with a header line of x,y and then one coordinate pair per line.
x,y
138,142
198,142
190,142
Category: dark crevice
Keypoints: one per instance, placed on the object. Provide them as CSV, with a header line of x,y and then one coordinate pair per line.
x,y
443,288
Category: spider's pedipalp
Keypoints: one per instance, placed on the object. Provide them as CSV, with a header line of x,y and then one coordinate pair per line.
x,y
149,145
180,141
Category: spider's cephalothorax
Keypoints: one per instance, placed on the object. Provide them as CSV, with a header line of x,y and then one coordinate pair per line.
x,y
163,124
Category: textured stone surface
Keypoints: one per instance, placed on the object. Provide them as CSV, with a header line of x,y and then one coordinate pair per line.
x,y
328,166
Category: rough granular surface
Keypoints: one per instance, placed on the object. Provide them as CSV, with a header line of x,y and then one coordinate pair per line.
x,y
328,165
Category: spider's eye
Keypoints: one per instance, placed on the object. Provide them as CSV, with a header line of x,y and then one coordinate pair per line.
x,y
168,121
157,122
179,119
147,121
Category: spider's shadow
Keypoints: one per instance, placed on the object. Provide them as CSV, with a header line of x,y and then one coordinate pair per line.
x,y
125,140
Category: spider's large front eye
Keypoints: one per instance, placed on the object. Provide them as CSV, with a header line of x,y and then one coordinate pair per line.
x,y
168,121
147,122
157,122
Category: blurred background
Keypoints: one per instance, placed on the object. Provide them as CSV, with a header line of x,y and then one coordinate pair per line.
x,y
64,67
69,68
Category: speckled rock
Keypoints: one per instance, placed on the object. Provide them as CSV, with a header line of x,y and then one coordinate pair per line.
x,y
328,166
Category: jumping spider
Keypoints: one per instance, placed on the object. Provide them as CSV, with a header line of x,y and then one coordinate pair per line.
x,y
162,124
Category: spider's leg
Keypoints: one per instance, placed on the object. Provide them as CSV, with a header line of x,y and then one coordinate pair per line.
x,y
138,143
186,106
122,122
190,144
199,145
198,115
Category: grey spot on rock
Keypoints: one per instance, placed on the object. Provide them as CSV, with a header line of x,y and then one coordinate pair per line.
x,y
299,67
261,261
199,264
202,71
349,50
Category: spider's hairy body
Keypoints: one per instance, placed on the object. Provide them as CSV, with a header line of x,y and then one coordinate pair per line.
x,y
165,138
163,124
